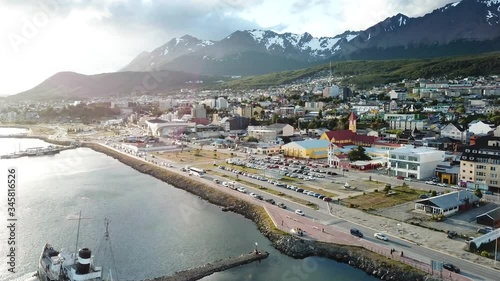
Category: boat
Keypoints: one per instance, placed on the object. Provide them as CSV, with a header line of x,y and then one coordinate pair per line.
x,y
55,265
66,266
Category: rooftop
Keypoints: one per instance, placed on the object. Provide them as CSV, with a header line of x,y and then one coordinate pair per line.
x,y
311,144
451,200
416,150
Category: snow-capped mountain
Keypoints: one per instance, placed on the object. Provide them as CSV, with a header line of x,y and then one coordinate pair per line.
x,y
463,27
303,48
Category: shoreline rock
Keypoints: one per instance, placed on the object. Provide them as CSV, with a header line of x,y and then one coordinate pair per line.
x,y
358,257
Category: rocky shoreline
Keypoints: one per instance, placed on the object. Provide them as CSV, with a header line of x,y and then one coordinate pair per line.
x,y
370,262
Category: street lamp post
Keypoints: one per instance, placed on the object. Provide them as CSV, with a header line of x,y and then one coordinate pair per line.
x,y
256,244
496,247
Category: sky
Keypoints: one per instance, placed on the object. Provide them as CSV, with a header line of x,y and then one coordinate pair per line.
x,y
43,37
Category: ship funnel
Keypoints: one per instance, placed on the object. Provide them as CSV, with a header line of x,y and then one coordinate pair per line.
x,y
83,262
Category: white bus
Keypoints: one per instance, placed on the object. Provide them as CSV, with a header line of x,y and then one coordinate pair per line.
x,y
195,171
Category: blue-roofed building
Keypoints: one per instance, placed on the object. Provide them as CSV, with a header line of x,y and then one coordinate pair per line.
x,y
308,149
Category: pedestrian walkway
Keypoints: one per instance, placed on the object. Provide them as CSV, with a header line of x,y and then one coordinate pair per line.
x,y
314,230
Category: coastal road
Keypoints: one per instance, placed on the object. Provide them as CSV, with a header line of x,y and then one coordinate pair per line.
x,y
469,269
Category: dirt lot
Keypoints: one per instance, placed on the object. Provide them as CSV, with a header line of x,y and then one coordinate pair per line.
x,y
193,156
463,223
379,200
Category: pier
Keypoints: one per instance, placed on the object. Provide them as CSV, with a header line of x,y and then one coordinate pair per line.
x,y
200,272
36,151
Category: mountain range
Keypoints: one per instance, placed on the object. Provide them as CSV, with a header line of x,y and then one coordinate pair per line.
x,y
464,27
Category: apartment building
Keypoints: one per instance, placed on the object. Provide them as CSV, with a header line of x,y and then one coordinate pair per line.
x,y
480,164
414,162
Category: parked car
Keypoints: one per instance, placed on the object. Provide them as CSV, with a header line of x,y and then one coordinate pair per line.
x,y
327,199
299,212
242,189
452,234
424,196
400,177
282,206
430,182
380,236
270,201
442,184
356,232
408,179
484,230
451,267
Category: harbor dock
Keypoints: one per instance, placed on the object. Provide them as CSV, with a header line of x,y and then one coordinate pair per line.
x,y
200,272
36,151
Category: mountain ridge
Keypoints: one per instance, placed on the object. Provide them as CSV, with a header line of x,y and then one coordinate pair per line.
x,y
462,21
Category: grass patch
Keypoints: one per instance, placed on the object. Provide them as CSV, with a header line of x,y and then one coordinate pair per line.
x,y
190,155
379,200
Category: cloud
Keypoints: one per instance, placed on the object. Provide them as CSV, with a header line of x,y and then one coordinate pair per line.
x,y
94,36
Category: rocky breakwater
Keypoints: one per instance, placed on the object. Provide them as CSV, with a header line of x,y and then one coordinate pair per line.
x,y
370,262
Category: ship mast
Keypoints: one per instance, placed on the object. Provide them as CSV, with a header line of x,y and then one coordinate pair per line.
x,y
78,235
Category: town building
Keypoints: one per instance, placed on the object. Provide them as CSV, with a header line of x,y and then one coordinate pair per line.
x,y
398,94
480,128
490,218
480,164
262,133
448,173
198,111
454,131
414,162
282,130
447,204
308,149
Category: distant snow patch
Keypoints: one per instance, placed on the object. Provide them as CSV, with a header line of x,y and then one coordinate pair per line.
x,y
350,37
275,41
257,35
456,3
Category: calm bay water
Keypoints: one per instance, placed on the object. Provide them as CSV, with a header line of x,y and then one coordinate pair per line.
x,y
155,229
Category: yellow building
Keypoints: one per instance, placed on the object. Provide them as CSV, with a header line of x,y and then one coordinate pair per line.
x,y
309,149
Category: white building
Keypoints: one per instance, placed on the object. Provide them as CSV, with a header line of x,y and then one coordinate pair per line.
x,y
283,130
479,128
198,111
221,103
167,104
454,131
418,163
360,109
210,103
398,94
333,91
262,133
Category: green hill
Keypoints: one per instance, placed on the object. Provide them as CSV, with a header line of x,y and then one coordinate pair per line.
x,y
369,73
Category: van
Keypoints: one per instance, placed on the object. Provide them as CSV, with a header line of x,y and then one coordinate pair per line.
x,y
356,232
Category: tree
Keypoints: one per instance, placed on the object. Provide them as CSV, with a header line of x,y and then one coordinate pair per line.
x,y
320,114
275,118
478,193
252,139
358,154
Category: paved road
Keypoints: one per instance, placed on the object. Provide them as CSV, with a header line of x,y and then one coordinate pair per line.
x,y
424,254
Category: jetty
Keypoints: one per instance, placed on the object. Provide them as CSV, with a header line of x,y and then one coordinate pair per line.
x,y
36,151
221,265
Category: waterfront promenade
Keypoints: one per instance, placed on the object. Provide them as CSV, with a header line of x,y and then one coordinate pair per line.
x,y
314,229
